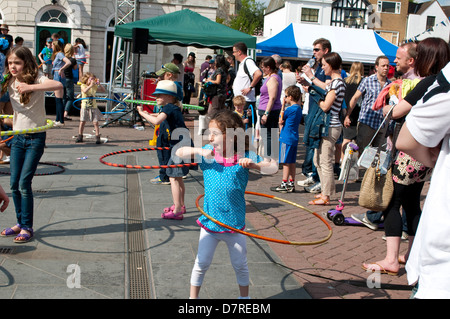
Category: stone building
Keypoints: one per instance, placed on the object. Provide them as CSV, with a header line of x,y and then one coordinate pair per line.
x,y
94,21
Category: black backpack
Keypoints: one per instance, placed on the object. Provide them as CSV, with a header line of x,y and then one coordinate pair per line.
x,y
260,82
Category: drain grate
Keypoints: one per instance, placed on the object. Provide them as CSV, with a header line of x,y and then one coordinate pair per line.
x,y
139,284
6,250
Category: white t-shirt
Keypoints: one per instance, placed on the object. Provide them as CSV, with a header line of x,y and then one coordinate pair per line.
x,y
32,114
80,52
242,81
429,260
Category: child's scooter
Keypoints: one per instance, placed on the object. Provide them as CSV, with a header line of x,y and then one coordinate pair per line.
x,y
349,161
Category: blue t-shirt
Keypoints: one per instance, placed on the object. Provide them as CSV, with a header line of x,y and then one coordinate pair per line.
x,y
47,55
292,117
224,192
58,62
173,121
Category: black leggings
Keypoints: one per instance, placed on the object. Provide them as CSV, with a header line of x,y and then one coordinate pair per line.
x,y
408,197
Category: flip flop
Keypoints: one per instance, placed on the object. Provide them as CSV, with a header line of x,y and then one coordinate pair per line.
x,y
319,201
381,270
10,232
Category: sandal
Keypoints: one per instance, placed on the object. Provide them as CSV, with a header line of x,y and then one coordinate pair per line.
x,y
171,208
173,215
381,270
319,201
10,232
25,237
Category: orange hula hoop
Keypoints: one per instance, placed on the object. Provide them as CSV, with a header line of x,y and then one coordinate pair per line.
x,y
142,166
279,241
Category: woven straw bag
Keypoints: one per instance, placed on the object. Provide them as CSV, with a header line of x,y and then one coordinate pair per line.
x,y
376,189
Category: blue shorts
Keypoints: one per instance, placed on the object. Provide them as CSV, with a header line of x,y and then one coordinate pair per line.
x,y
288,153
81,61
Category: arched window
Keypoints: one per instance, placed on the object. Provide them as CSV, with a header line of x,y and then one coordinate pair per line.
x,y
55,16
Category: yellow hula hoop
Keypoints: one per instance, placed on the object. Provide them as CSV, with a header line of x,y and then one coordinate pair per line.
x,y
279,241
26,131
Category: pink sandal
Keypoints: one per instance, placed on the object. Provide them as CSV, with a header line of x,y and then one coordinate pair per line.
x,y
172,215
171,208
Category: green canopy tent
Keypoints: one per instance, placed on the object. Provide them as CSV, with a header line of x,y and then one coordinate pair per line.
x,y
182,28
186,28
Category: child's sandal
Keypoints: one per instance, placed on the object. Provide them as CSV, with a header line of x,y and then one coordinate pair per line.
x,y
172,215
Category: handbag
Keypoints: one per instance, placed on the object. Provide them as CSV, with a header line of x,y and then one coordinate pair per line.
x,y
376,189
373,154
210,89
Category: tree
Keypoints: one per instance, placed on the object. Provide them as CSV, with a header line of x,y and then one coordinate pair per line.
x,y
249,18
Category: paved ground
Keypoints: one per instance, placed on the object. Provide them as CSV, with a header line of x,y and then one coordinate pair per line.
x,y
99,234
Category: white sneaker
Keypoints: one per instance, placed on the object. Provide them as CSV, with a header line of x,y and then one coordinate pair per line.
x,y
306,182
314,189
7,159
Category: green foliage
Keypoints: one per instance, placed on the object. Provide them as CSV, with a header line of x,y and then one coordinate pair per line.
x,y
249,18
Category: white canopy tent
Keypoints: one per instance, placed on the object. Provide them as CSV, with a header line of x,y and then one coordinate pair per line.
x,y
296,41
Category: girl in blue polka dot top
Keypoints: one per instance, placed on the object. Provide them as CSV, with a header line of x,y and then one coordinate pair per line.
x,y
225,163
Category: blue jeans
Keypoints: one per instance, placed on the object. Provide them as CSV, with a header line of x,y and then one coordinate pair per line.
x,y
26,151
69,93
308,163
59,105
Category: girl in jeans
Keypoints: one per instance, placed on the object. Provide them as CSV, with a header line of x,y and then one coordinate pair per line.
x,y
26,89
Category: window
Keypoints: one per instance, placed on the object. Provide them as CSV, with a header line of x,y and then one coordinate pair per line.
x,y
55,16
431,22
389,7
310,15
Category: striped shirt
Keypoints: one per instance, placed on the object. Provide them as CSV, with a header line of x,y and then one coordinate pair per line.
x,y
339,86
370,88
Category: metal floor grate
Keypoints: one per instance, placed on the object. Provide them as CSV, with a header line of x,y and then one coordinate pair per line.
x,y
6,250
139,283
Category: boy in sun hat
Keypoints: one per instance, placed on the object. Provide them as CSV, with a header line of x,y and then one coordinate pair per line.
x,y
169,119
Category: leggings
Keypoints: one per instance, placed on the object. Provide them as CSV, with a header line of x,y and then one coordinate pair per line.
x,y
408,197
237,247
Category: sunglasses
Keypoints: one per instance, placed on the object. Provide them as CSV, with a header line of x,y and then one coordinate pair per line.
x,y
316,50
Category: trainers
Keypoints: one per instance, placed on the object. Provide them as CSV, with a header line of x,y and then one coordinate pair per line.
x,y
306,182
404,236
280,189
314,189
290,187
157,180
362,218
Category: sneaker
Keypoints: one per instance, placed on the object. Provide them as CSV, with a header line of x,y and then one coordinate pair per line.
x,y
157,181
404,236
362,218
306,182
314,189
290,187
280,189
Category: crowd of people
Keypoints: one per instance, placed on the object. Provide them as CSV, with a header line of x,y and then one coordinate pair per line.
x,y
334,106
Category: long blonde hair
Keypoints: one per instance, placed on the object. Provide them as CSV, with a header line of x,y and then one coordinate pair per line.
x,y
69,50
356,73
